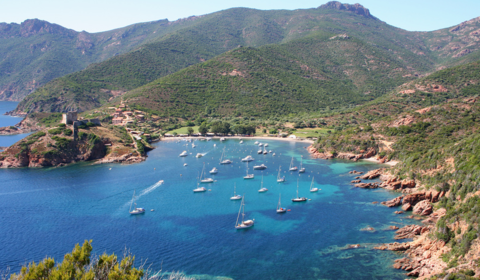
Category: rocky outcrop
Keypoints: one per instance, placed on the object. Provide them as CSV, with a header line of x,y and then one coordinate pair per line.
x,y
372,174
410,231
423,208
355,8
314,153
367,185
393,202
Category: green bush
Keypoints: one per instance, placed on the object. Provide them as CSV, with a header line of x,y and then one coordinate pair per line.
x,y
55,131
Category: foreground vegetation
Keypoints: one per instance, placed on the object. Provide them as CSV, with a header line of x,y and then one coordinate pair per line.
x,y
80,264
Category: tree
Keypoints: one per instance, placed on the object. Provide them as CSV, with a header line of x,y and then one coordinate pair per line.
x,y
76,265
203,128
190,131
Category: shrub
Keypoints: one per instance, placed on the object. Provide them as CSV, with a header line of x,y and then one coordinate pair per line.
x,y
68,132
55,131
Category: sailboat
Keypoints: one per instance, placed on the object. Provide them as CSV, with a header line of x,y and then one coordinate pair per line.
x,y
280,209
248,176
205,180
262,189
302,169
199,189
292,168
224,161
244,224
299,199
264,151
312,189
235,195
135,210
280,179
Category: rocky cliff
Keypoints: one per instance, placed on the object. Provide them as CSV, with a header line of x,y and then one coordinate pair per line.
x,y
46,148
355,8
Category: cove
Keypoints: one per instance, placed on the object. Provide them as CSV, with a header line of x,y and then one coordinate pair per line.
x,y
44,212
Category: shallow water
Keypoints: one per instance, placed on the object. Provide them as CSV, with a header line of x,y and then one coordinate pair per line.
x,y
46,211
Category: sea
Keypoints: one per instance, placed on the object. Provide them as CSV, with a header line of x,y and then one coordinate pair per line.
x,y
7,140
46,211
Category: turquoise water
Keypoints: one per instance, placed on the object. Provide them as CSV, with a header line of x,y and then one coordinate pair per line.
x,y
46,211
7,140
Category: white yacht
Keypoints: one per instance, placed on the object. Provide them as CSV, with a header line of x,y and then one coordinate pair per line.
x,y
292,168
199,155
260,144
299,199
280,179
241,141
262,188
136,210
266,145
302,169
260,167
280,209
222,158
235,195
256,143
247,158
244,223
184,154
203,179
260,151
222,139
312,189
193,145
200,189
214,171
248,176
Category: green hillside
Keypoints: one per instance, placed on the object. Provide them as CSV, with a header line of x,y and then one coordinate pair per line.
x,y
320,72
208,36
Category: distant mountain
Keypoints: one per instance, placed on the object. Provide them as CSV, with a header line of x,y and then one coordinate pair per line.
x,y
198,39
35,52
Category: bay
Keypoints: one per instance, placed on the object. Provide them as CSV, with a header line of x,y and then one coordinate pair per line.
x,y
44,212
7,140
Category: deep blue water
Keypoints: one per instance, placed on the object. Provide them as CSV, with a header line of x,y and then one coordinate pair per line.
x,y
47,211
7,140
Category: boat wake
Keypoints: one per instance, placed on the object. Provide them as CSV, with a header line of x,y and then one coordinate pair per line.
x,y
144,192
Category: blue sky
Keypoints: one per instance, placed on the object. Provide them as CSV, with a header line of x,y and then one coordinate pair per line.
x,y
102,15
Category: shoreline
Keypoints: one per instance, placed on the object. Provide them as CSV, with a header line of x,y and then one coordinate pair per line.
x,y
373,159
239,137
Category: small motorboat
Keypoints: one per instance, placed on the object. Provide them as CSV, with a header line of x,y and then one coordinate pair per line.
x,y
260,151
247,158
260,167
222,139
263,190
214,171
256,143
185,164
183,154
241,141
200,189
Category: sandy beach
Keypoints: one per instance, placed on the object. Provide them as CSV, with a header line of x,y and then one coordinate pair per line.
x,y
240,137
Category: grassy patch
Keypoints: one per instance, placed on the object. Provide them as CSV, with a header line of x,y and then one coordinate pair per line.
x,y
184,130
310,132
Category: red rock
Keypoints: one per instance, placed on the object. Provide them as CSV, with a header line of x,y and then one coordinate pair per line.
x,y
406,206
423,208
414,198
393,202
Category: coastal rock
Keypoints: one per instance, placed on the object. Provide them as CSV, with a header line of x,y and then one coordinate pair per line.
x,y
414,198
372,174
423,208
393,202
355,181
406,207
409,231
398,212
366,185
392,228
408,184
368,228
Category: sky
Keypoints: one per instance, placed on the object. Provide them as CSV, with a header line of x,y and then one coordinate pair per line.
x,y
102,15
